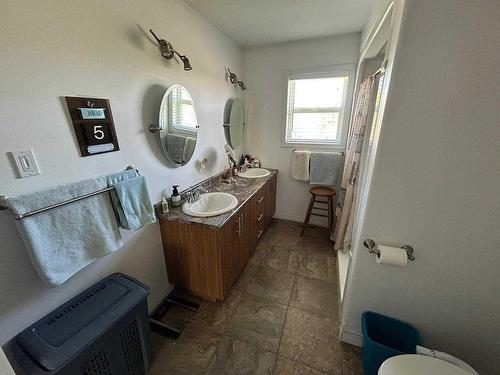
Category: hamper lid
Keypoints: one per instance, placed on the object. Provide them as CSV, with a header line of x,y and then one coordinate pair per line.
x,y
67,330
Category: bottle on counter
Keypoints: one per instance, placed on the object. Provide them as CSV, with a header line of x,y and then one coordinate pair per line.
x,y
176,197
164,206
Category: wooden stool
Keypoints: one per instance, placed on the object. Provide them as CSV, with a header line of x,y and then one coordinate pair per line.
x,y
320,191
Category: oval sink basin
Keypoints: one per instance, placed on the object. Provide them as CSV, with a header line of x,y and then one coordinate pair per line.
x,y
210,204
254,173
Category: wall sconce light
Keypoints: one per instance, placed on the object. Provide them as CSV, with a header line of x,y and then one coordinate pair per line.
x,y
234,79
168,52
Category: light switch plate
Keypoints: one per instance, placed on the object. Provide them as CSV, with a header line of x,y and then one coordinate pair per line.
x,y
26,163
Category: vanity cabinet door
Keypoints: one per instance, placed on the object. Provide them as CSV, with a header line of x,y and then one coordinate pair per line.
x,y
229,252
244,236
235,247
271,186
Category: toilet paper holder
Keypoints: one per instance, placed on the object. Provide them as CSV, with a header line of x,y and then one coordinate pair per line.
x,y
370,245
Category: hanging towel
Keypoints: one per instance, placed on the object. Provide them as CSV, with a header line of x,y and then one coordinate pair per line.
x,y
131,199
175,146
63,240
188,148
325,168
300,165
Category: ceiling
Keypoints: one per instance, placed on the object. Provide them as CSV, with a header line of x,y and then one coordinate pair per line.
x,y
258,22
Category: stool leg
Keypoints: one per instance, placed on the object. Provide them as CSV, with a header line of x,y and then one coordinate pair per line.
x,y
308,215
330,213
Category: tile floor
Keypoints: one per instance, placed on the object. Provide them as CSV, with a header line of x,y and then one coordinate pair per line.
x,y
281,316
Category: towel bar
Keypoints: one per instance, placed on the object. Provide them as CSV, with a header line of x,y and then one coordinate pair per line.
x,y
3,201
327,152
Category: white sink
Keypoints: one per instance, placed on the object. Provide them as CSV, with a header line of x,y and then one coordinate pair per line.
x,y
254,173
210,204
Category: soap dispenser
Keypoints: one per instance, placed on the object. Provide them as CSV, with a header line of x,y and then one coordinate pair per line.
x,y
176,197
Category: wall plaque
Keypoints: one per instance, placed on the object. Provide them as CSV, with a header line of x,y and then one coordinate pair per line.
x,y
93,124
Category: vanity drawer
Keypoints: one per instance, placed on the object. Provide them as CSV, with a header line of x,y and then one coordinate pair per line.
x,y
258,201
257,216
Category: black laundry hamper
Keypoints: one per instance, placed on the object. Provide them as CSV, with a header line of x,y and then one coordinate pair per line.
x,y
102,331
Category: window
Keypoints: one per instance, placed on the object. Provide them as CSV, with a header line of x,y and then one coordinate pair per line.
x,y
316,108
182,110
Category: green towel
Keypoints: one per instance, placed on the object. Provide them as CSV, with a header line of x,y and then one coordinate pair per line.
x,y
131,200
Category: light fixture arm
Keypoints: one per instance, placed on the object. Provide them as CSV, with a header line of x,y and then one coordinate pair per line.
x,y
233,78
168,51
157,39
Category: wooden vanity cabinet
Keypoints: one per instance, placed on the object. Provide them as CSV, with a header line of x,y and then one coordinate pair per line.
x,y
206,261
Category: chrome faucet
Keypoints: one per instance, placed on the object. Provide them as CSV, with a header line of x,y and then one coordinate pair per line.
x,y
244,167
194,195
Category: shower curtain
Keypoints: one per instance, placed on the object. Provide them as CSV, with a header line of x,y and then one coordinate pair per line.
x,y
344,211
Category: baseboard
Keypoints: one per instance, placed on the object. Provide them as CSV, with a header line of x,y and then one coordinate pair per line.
x,y
154,304
351,338
289,218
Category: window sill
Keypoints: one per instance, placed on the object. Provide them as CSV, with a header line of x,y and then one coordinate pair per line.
x,y
314,146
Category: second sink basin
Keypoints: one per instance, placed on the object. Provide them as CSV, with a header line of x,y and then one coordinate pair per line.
x,y
210,204
254,173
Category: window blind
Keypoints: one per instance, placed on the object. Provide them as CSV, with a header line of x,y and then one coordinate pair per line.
x,y
315,110
183,116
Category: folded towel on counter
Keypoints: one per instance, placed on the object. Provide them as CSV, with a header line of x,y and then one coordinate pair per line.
x,y
63,240
131,199
300,165
325,168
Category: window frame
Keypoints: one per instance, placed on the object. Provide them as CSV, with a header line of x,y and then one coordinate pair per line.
x,y
320,72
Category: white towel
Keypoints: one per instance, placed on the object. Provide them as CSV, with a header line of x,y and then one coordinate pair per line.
x,y
63,240
325,168
300,165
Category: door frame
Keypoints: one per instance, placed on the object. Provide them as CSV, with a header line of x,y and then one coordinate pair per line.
x,y
395,9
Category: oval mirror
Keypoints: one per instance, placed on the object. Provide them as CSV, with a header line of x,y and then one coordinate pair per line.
x,y
234,122
178,126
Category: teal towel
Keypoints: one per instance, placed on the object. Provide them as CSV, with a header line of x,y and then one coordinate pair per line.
x,y
63,240
131,200
324,168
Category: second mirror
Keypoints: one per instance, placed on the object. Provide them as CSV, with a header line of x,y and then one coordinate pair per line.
x,y
234,122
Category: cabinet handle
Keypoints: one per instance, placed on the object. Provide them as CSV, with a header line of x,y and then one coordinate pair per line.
x,y
260,233
261,199
239,226
260,217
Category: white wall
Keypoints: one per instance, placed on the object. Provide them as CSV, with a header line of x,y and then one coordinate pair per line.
x,y
52,49
435,184
264,75
378,9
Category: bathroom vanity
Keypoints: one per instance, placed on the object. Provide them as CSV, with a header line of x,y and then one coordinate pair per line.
x,y
205,255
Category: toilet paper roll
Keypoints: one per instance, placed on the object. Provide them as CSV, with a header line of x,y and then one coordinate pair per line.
x,y
393,256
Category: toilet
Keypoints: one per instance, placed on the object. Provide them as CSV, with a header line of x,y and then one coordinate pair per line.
x,y
426,362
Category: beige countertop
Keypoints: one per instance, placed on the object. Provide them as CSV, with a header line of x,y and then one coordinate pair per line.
x,y
242,189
